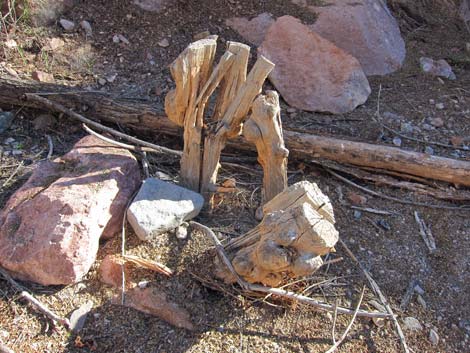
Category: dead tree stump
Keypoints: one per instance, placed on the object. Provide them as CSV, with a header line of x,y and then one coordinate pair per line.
x,y
297,229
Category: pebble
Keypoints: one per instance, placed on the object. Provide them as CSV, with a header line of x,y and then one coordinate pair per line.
x,y
123,39
429,150
421,301
433,337
201,35
412,324
440,106
16,152
437,122
419,290
406,128
67,25
164,43
143,284
102,81
182,231
428,127
397,141
116,38
357,214
11,43
9,140
6,119
384,224
86,26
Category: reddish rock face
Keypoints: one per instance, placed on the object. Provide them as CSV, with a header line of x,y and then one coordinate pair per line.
x,y
50,228
365,29
111,271
252,30
311,73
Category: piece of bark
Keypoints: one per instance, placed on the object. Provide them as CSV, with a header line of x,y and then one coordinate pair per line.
x,y
229,125
287,243
264,129
142,116
190,71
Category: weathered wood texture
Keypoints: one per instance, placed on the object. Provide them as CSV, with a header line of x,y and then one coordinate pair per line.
x,y
290,239
264,129
144,116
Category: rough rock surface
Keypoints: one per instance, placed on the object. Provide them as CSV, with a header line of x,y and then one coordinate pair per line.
x,y
311,73
111,271
154,302
161,206
252,30
366,29
50,228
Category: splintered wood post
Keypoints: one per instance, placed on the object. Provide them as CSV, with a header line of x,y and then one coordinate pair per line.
x,y
230,124
297,228
190,71
264,129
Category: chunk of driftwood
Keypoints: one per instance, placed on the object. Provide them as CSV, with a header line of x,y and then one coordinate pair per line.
x,y
143,116
264,129
290,240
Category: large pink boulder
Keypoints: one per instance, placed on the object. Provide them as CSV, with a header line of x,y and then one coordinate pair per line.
x,y
50,228
252,30
311,73
364,28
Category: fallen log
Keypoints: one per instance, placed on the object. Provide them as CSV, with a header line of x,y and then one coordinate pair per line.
x,y
143,115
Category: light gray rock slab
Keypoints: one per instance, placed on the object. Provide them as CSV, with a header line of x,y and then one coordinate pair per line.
x,y
161,206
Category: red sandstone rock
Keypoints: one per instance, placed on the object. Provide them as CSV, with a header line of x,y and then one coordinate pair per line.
x,y
311,73
50,228
111,271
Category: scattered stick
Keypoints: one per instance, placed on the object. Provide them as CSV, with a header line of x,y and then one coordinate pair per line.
x,y
378,292
36,303
13,174
374,211
390,198
337,343
277,291
51,146
149,265
62,109
408,294
426,234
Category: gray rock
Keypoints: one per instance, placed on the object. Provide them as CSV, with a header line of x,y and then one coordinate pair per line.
x,y
252,30
161,206
78,317
433,337
397,141
406,128
429,150
67,25
6,118
86,26
437,68
412,324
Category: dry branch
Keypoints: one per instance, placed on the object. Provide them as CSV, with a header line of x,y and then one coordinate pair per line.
x,y
142,115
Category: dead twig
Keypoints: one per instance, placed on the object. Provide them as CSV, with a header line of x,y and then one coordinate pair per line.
x,y
374,211
375,287
426,234
13,174
149,265
408,294
51,146
390,198
337,343
36,303
277,291
62,109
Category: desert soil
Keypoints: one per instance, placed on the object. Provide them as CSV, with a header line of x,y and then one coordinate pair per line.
x,y
226,321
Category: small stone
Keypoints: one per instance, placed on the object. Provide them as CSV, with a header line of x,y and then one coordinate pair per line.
x,y
160,207
433,337
6,119
163,176
356,199
182,231
42,76
357,214
429,150
432,101
428,127
384,224
421,301
86,26
229,183
201,35
143,284
69,26
9,140
396,141
17,152
412,324
53,44
102,81
116,39
437,68
164,43
418,289
406,128
123,39
111,270
437,122
440,106
111,78
78,317
43,121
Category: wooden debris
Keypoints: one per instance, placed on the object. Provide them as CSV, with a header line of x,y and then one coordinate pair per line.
x,y
288,242
426,234
148,264
264,129
144,116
